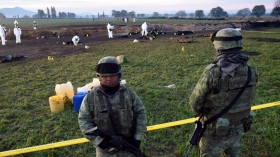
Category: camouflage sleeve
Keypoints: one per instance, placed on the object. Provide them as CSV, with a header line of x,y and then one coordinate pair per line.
x,y
141,120
202,88
256,72
86,121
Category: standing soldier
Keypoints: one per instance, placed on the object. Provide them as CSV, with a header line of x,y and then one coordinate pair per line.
x,y
17,33
3,35
115,109
144,27
35,25
110,30
218,87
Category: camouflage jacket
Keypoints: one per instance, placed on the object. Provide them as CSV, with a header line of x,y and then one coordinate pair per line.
x,y
213,93
94,112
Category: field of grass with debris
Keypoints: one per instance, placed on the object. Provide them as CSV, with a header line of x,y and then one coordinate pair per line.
x,y
25,87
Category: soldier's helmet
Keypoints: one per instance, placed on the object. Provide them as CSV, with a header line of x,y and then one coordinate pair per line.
x,y
108,66
227,38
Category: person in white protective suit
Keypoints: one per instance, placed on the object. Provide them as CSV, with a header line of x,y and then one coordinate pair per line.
x,y
16,23
3,27
35,25
144,27
76,40
110,30
2,35
17,33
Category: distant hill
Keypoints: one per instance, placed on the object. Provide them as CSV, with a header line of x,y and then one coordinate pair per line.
x,y
13,12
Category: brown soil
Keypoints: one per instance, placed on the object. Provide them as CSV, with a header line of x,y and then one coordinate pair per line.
x,y
42,43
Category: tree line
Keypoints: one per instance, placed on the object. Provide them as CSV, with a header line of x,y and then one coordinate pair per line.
x,y
52,14
218,12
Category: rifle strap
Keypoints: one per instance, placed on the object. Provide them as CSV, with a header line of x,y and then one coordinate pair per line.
x,y
111,114
212,119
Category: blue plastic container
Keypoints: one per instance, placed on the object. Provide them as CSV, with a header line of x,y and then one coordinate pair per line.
x,y
77,100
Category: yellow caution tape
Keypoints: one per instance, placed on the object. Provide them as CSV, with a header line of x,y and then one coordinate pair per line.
x,y
83,140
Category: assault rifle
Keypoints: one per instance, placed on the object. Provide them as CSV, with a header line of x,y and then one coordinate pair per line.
x,y
197,134
118,142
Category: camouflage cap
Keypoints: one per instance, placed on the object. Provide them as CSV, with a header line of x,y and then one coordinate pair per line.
x,y
229,38
108,66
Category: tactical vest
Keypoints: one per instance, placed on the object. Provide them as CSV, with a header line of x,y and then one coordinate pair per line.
x,y
121,106
225,89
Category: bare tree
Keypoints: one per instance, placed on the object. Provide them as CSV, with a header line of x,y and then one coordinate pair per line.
x,y
243,12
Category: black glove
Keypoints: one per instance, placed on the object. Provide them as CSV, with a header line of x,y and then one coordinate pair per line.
x,y
104,144
136,143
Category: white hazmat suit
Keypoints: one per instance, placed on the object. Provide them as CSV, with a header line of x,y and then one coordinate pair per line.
x,y
2,35
75,40
35,25
110,30
16,23
144,27
17,33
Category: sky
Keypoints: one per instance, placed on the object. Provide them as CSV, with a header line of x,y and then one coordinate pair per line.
x,y
138,6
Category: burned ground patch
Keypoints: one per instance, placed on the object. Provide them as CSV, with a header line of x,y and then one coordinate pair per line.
x,y
251,53
265,39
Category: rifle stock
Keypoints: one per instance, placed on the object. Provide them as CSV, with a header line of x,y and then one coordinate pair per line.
x,y
117,141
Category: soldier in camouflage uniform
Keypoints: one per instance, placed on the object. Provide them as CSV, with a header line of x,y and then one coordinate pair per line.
x,y
216,88
129,112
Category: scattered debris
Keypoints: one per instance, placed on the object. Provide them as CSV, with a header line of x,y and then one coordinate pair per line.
x,y
10,58
173,86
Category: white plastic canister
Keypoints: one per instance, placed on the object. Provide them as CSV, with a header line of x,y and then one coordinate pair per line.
x,y
65,89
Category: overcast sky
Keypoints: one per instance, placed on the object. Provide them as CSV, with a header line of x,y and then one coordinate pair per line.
x,y
139,6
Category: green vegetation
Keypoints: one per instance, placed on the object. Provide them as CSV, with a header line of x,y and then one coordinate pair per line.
x,y
25,86
45,23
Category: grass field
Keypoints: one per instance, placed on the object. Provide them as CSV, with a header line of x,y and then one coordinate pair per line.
x,y
44,23
25,86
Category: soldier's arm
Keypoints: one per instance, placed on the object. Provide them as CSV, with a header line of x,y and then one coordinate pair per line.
x,y
85,120
202,88
141,120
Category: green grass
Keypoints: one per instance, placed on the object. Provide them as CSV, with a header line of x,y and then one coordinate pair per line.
x,y
45,23
25,86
